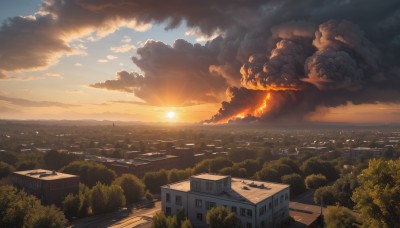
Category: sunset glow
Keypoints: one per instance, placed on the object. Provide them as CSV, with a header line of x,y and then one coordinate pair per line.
x,y
93,60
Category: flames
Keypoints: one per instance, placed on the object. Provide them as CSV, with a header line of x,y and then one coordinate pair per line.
x,y
259,111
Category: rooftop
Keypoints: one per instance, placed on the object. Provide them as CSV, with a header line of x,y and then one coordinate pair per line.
x,y
43,174
207,176
242,189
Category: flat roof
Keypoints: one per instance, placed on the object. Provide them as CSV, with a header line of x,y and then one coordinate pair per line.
x,y
43,174
206,176
244,190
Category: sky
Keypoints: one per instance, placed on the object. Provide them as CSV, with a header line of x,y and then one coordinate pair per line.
x,y
189,61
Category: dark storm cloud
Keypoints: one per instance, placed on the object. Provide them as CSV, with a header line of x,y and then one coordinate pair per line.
x,y
331,52
176,75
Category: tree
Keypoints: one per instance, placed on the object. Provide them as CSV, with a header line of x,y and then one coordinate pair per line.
x,y
268,174
315,181
116,197
186,224
70,205
132,186
154,180
55,160
316,166
296,183
251,166
219,217
19,209
99,198
377,198
159,221
90,172
8,158
5,169
219,163
337,216
326,194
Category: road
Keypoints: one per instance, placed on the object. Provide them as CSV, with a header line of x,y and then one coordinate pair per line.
x,y
133,218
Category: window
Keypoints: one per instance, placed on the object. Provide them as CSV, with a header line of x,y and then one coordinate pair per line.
x,y
209,205
270,205
286,196
168,210
263,209
199,216
281,201
196,185
209,186
233,209
242,212
168,197
249,213
226,183
248,225
178,200
276,202
198,203
262,225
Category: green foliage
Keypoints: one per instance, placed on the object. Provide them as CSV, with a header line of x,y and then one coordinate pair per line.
x,y
221,217
251,166
296,183
21,210
116,198
133,187
70,205
99,198
315,181
212,165
175,175
378,196
5,169
26,165
186,224
234,171
326,195
90,172
337,216
268,173
316,166
238,155
153,180
219,163
55,160
160,220
8,158
290,162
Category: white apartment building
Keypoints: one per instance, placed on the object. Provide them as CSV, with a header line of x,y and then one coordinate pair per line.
x,y
256,203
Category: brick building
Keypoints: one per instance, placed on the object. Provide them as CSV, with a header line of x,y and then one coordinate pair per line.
x,y
49,186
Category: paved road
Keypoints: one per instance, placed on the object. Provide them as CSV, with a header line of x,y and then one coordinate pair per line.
x,y
134,218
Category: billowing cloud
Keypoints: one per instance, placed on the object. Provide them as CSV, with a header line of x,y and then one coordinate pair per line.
x,y
176,75
306,54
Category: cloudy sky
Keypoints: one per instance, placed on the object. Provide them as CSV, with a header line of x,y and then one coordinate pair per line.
x,y
218,61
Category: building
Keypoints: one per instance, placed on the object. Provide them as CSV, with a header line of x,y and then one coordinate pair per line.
x,y
256,203
49,186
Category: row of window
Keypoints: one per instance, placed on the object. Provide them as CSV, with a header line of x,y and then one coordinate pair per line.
x,y
178,199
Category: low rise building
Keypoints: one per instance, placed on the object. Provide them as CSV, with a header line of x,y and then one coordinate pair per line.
x,y
256,203
50,187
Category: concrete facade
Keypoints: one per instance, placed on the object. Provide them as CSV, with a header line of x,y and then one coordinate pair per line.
x,y
256,203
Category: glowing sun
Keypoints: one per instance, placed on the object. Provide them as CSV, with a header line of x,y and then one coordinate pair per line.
x,y
171,115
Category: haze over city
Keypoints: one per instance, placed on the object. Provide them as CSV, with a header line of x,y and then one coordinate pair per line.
x,y
210,62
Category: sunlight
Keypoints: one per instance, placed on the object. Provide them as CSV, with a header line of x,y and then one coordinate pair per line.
x,y
171,115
